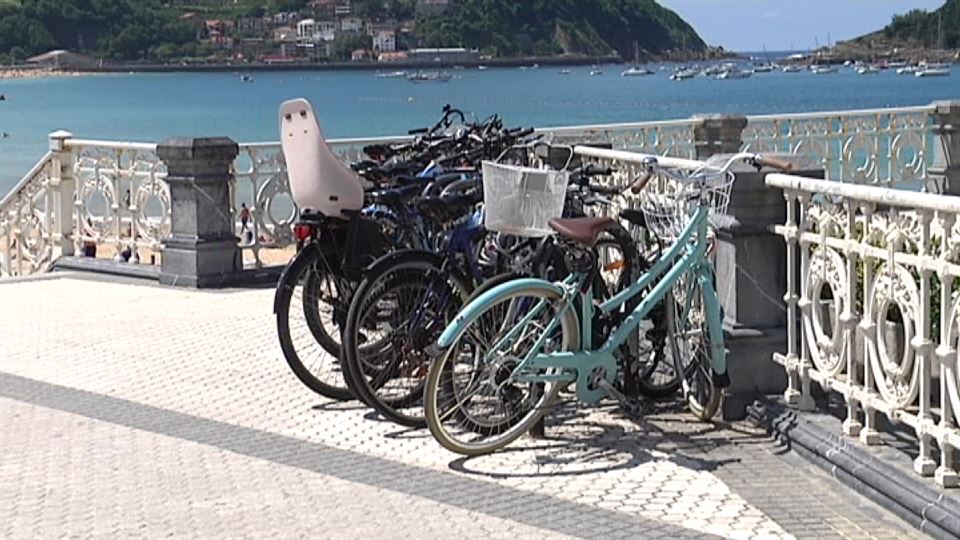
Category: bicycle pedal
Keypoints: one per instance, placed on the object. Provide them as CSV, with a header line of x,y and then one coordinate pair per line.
x,y
635,408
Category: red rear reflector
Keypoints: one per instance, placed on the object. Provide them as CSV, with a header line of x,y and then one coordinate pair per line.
x,y
302,232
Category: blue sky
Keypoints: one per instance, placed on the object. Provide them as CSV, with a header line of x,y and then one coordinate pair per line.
x,y
749,25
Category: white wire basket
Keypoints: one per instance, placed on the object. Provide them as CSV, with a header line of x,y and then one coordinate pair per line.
x,y
521,200
671,198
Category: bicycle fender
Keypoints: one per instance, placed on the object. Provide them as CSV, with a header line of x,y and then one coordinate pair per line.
x,y
475,307
403,255
294,264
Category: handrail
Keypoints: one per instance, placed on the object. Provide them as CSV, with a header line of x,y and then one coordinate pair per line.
x,y
26,179
636,157
854,112
865,193
113,145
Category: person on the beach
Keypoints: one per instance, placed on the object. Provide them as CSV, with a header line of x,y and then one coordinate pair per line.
x,y
244,216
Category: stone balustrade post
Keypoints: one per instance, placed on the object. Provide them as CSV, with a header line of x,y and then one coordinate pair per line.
x,y
202,250
64,186
944,172
750,264
718,134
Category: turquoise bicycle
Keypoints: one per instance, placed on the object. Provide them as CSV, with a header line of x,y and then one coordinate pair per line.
x,y
510,351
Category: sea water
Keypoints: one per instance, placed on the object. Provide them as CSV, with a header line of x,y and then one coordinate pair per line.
x,y
151,107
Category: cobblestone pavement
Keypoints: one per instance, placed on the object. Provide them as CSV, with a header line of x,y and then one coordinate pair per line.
x,y
134,410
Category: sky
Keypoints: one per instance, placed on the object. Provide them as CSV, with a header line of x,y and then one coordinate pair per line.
x,y
780,25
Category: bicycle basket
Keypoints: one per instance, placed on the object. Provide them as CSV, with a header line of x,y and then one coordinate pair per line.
x,y
521,200
671,199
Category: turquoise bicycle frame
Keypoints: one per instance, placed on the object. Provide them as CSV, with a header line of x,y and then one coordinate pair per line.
x,y
687,257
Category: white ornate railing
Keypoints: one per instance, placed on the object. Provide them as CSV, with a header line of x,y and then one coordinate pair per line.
x,y
880,146
876,314
26,227
117,197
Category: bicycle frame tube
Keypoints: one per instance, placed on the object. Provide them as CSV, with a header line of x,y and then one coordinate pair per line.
x,y
671,271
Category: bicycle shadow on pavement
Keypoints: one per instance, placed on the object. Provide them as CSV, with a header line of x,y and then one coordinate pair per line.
x,y
585,440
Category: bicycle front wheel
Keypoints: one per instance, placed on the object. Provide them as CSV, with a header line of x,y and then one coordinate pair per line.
x,y
473,402
690,346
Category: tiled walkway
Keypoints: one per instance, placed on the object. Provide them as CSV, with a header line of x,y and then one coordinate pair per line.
x,y
134,410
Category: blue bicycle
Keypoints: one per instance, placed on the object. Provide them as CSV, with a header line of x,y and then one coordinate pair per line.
x,y
510,350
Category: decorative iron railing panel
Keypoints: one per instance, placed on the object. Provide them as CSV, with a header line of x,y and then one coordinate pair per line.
x,y
27,222
876,313
887,147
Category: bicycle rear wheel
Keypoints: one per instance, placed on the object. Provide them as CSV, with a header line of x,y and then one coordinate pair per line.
x,y
310,306
397,313
472,403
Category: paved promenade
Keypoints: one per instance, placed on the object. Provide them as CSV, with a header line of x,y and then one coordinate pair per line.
x,y
131,410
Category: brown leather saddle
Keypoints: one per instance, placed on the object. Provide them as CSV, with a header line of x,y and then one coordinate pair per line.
x,y
583,230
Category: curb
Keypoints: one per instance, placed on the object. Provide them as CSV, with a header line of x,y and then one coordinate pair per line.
x,y
873,474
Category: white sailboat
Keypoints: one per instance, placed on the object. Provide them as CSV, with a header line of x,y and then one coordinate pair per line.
x,y
823,70
635,70
684,74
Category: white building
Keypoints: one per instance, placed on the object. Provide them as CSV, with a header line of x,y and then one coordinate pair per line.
x,y
311,31
385,41
351,24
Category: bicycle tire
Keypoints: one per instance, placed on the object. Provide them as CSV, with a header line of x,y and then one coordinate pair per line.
x,y
387,374
441,402
306,273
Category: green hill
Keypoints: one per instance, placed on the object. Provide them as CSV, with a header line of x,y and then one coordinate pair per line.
x,y
591,27
920,28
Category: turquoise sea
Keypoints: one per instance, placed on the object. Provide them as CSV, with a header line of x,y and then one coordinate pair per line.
x,y
150,107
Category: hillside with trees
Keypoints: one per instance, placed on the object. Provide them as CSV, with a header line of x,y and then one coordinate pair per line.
x,y
156,30
544,27
921,28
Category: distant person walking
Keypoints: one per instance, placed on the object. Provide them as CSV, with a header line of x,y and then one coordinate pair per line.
x,y
244,216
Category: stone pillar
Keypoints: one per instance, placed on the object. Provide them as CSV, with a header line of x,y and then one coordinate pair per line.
x,y
201,250
65,186
945,170
751,280
718,134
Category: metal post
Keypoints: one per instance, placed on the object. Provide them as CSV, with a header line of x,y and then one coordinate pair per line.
x,y
64,185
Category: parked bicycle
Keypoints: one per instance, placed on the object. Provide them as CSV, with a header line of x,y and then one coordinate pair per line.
x,y
510,351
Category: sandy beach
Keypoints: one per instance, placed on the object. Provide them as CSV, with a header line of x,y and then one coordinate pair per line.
x,y
7,73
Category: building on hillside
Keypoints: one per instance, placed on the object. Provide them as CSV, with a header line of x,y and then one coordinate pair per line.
x,y
251,25
359,55
61,59
342,8
286,38
286,18
443,55
430,7
219,27
311,31
385,41
395,56
374,28
323,9
351,25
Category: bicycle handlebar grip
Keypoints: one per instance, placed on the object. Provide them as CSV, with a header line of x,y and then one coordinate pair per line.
x,y
776,163
641,182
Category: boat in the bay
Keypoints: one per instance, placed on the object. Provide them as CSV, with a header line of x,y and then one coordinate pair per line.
x,y
635,71
716,69
246,78
482,68
907,70
933,72
684,74
868,70
391,75
735,74
791,68
596,71
763,68
823,70
565,72
429,76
